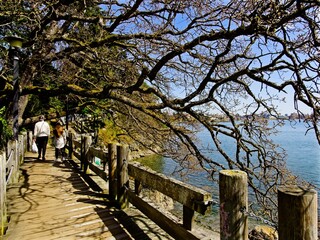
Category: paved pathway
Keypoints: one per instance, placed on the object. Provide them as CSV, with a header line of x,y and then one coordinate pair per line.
x,y
52,201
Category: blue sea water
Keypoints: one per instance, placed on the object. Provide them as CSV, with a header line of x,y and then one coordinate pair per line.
x,y
303,159
302,149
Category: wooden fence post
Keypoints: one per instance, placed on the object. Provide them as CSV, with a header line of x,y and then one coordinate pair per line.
x,y
122,176
297,213
3,208
30,139
25,143
70,144
15,164
112,168
21,147
84,154
233,192
137,187
188,218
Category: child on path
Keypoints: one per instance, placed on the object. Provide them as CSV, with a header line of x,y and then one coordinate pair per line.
x,y
59,141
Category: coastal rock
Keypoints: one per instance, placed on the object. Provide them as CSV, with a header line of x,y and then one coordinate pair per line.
x,y
157,198
263,232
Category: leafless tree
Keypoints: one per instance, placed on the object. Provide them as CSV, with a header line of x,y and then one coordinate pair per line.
x,y
187,65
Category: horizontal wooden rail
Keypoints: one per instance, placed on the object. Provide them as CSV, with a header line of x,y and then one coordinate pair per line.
x,y
186,194
162,220
192,198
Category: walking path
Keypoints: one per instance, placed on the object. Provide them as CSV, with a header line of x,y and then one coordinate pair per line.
x,y
53,201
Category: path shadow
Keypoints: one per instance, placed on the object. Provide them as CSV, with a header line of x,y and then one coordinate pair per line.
x,y
115,221
106,207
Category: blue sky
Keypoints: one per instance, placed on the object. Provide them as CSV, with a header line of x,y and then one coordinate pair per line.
x,y
288,107
261,47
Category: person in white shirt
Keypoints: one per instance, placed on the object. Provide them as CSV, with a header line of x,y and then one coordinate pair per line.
x,y
41,136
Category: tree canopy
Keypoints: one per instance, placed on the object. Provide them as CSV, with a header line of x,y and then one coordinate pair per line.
x,y
178,63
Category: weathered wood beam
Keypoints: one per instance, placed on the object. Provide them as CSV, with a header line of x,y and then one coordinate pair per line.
x,y
297,212
160,219
186,194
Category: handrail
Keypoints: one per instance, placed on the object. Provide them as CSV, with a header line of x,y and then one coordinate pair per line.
x,y
192,198
297,205
85,125
10,161
186,194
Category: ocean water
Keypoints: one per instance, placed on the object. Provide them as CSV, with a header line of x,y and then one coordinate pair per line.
x,y
302,149
303,160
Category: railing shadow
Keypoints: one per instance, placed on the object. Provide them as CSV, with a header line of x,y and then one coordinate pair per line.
x,y
114,219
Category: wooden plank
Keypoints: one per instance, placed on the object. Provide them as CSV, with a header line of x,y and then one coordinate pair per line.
x,y
188,217
98,171
9,164
59,205
188,195
11,158
167,224
99,153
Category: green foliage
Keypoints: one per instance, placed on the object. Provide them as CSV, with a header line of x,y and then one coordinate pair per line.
x,y
94,110
57,104
44,104
155,162
5,130
86,111
37,105
112,133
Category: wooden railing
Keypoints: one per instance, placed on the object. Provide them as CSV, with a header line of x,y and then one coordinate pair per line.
x,y
297,209
85,124
297,206
114,167
10,160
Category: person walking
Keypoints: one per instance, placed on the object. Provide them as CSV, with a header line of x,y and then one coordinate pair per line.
x,y
59,141
41,136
